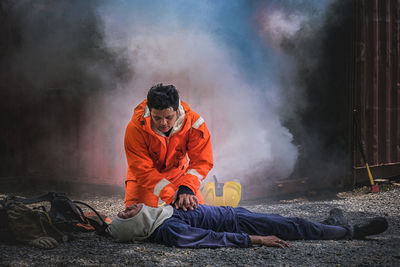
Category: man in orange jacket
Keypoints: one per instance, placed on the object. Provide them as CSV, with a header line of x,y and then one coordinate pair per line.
x,y
163,133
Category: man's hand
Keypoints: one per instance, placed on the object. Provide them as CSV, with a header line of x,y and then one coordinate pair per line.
x,y
269,241
185,201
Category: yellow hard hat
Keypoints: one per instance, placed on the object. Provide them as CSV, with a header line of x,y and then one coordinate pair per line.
x,y
222,194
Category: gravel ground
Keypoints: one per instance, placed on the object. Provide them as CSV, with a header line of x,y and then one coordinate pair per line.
x,y
90,249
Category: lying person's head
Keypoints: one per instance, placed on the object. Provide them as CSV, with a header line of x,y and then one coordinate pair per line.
x,y
130,211
137,222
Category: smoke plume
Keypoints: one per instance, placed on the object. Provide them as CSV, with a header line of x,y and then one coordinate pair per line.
x,y
201,56
315,44
78,69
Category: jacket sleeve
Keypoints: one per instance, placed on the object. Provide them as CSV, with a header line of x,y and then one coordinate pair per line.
x,y
141,167
199,150
175,232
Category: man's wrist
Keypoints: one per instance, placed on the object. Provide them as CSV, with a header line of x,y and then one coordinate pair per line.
x,y
183,189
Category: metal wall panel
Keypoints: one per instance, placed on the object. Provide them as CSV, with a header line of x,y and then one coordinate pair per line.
x,y
377,88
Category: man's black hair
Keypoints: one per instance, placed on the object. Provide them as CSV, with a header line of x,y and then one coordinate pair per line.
x,y
163,96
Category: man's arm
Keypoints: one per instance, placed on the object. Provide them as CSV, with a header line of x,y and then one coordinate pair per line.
x,y
199,150
141,167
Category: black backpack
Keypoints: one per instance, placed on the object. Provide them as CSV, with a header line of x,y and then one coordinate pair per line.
x,y
65,214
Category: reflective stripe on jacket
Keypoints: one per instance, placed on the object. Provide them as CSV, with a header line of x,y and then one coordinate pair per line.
x,y
156,161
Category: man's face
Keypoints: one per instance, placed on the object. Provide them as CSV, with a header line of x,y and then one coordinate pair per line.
x,y
163,119
130,211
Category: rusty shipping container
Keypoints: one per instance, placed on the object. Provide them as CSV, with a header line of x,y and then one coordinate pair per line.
x,y
376,93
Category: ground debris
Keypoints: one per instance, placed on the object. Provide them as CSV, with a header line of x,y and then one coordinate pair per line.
x,y
89,249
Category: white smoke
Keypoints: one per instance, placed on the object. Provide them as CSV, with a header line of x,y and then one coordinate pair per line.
x,y
246,131
277,25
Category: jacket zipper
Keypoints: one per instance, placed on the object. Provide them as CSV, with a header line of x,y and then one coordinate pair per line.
x,y
166,151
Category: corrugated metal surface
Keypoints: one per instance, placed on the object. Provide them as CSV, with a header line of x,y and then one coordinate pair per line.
x,y
377,87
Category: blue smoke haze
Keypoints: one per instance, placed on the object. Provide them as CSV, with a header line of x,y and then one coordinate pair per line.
x,y
230,22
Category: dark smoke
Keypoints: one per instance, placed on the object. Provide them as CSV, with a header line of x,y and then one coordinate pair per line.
x,y
322,52
53,64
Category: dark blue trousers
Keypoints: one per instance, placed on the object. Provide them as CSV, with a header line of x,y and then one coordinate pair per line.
x,y
210,226
287,228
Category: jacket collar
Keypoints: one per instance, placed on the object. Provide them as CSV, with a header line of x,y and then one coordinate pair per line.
x,y
178,123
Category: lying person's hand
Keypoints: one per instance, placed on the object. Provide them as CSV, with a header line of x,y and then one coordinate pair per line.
x,y
45,242
269,241
187,201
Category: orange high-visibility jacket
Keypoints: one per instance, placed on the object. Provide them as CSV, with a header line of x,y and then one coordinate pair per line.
x,y
159,163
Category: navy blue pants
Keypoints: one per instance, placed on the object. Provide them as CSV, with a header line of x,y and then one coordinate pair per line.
x,y
287,228
210,226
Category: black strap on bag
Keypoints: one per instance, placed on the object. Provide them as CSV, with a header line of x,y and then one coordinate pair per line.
x,y
65,214
99,226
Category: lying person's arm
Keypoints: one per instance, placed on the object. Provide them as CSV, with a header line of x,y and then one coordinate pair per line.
x,y
174,232
269,241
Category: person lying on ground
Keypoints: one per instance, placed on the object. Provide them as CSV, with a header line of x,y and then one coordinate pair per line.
x,y
212,227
